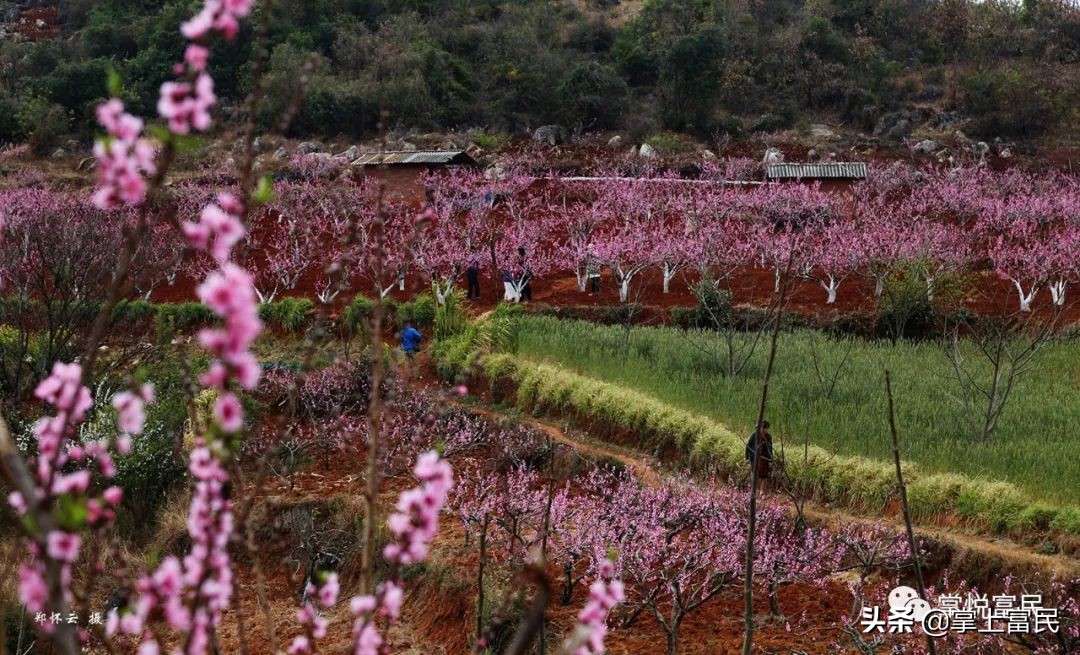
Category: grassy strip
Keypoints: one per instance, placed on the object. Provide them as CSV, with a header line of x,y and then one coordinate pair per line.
x,y
830,389
858,482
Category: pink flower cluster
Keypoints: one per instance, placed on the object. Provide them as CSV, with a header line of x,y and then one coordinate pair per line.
x,y
313,624
123,159
63,389
230,293
189,595
218,16
130,409
416,520
187,105
605,593
413,525
219,227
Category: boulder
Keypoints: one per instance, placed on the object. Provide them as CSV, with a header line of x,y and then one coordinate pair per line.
x,y
708,155
552,135
773,156
926,146
812,155
615,142
821,131
407,145
1005,153
308,147
896,125
647,151
59,153
982,148
351,153
257,145
281,154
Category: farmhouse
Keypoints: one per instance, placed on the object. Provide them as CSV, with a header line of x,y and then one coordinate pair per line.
x,y
402,169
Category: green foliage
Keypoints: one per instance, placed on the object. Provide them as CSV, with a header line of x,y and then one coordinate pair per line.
x,y
450,317
457,356
133,312
491,141
357,314
514,63
594,95
288,314
180,317
42,123
419,310
855,481
1013,102
1035,429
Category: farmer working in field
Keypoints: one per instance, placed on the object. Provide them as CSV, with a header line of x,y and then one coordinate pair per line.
x,y
410,342
472,273
765,460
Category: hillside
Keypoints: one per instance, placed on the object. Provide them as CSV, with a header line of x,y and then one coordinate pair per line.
x,y
876,70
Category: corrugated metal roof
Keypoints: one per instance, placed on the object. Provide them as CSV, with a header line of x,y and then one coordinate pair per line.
x,y
854,170
413,157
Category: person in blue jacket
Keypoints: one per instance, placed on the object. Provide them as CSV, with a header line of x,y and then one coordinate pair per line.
x,y
410,340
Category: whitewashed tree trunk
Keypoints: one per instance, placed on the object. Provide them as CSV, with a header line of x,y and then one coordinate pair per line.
x,y
670,271
266,296
442,289
830,284
930,279
581,272
1025,298
879,285
776,279
401,283
1057,292
624,289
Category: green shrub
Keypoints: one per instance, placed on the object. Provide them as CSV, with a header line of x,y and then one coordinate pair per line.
x,y
180,317
420,310
358,313
1067,520
491,141
133,312
450,317
289,314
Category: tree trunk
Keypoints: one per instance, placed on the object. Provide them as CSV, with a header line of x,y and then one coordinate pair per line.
x,y
774,599
1025,298
748,572
624,289
904,503
1057,292
673,637
480,580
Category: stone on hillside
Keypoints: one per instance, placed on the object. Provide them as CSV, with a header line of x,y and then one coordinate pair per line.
x,y
615,142
647,151
812,155
926,146
708,155
351,153
407,146
59,153
821,131
281,154
308,147
552,135
773,156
